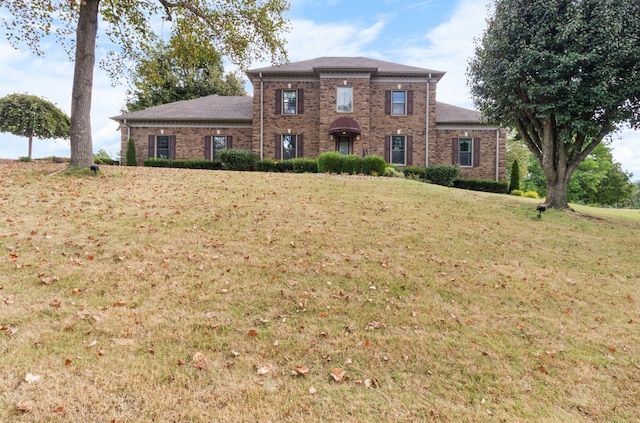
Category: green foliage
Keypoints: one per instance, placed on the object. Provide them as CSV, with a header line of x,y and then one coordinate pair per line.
x,y
266,165
514,177
530,194
373,165
131,159
484,185
351,164
392,172
518,192
102,157
184,164
30,116
330,162
234,159
442,174
305,165
165,74
24,159
565,73
415,173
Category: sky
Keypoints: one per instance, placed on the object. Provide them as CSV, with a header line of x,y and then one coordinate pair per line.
x,y
432,34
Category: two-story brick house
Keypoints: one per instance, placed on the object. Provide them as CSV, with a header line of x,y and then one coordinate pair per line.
x,y
352,105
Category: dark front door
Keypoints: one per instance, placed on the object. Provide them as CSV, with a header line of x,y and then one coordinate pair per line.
x,y
343,145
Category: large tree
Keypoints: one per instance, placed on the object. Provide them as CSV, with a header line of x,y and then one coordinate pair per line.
x,y
166,74
30,116
564,73
242,30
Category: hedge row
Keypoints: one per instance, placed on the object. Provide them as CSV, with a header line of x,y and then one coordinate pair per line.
x,y
184,164
299,165
481,185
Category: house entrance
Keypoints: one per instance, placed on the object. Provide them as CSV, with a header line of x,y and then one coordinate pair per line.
x,y
343,145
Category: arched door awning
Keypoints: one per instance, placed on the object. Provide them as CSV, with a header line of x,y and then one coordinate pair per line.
x,y
344,125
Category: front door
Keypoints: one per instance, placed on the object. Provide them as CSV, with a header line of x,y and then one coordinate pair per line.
x,y
343,145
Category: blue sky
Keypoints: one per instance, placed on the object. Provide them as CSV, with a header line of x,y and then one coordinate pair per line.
x,y
433,34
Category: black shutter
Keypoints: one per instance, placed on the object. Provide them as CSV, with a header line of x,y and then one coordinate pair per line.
x,y
476,152
207,147
229,141
409,102
300,152
387,148
278,102
387,102
409,150
300,101
152,146
172,147
454,151
278,149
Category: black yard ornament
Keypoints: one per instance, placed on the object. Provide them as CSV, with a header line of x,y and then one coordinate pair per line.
x,y
95,168
541,209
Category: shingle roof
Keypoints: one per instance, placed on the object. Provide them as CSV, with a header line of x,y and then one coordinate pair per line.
x,y
345,64
446,113
212,107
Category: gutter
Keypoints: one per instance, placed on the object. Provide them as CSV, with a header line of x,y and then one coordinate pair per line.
x,y
497,155
426,137
261,116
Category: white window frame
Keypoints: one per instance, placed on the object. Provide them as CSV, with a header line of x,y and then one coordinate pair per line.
x,y
294,138
403,139
344,100
157,149
215,150
404,103
469,153
286,107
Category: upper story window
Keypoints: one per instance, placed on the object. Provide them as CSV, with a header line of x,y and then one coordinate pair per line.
x,y
345,99
289,102
398,102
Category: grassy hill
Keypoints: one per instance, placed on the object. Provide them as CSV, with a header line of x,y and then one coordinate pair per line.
x,y
173,295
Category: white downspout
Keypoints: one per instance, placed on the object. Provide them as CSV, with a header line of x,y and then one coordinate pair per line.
x,y
426,137
261,117
497,154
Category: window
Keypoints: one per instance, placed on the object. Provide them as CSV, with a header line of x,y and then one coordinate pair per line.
x,y
465,151
398,149
219,142
289,144
162,147
399,103
345,99
289,102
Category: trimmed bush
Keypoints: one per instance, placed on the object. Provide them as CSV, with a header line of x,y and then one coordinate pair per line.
x,y
392,172
131,153
330,162
184,164
517,192
485,185
442,174
266,165
351,164
24,159
305,165
531,194
373,165
234,159
514,179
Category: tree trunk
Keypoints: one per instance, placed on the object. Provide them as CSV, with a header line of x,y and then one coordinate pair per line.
x,y
80,130
30,143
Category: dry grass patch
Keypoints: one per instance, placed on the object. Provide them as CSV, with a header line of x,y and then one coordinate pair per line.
x,y
173,295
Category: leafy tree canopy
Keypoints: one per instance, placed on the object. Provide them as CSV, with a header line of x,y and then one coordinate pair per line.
x,y
30,116
165,74
242,30
564,73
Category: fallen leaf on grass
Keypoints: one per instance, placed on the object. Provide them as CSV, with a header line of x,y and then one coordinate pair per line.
x,y
92,344
264,369
312,390
337,374
26,406
253,333
31,378
55,303
300,371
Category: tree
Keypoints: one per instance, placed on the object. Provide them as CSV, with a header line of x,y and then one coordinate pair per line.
x,y
514,179
30,116
165,74
564,73
131,153
242,30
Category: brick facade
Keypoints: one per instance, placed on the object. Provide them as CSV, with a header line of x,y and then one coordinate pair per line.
x,y
258,123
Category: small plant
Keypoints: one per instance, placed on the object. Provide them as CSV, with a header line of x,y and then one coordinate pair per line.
x,y
24,159
392,172
373,165
517,192
131,153
330,162
234,159
531,194
414,173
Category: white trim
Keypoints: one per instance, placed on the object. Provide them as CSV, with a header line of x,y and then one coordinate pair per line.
x,y
181,125
465,128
